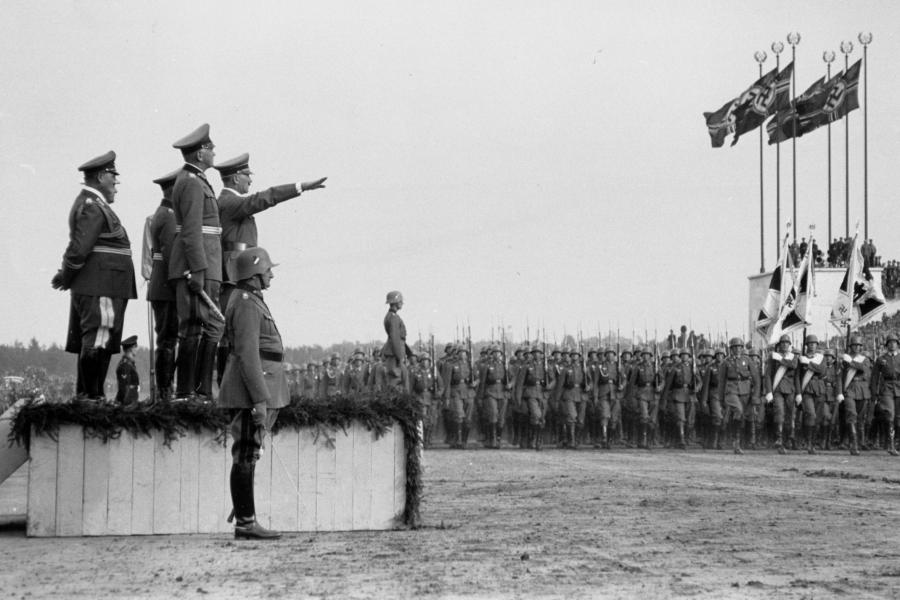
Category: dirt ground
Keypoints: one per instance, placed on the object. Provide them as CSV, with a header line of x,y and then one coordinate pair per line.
x,y
522,524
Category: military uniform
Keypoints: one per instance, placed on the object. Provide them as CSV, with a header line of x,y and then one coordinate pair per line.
x,y
98,270
811,374
457,376
160,292
196,255
679,386
643,381
738,381
129,382
886,389
354,377
711,400
606,381
330,378
781,388
427,387
491,394
826,405
854,389
395,350
529,389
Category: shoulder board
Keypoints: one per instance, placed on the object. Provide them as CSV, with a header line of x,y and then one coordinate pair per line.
x,y
245,295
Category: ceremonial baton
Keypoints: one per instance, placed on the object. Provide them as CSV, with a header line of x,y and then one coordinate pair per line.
x,y
212,306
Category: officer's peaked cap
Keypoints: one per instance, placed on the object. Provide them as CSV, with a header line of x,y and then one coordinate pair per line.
x,y
104,162
194,139
167,180
234,165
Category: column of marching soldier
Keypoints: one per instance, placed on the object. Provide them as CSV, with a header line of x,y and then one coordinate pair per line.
x,y
715,397
205,287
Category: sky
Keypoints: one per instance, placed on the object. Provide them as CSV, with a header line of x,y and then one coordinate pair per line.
x,y
503,162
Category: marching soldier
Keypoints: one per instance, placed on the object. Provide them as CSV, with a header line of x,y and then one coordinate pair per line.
x,y
711,399
428,388
195,267
738,381
395,351
491,393
826,407
644,383
679,385
254,386
755,408
98,271
571,392
236,209
781,388
456,376
628,401
127,375
354,377
160,292
606,382
812,387
519,410
331,378
854,389
529,388
886,386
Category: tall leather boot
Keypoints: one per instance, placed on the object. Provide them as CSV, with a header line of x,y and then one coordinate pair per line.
x,y
184,363
810,439
164,365
736,427
605,436
792,439
720,433
204,368
103,358
221,360
573,436
644,443
682,443
459,436
779,441
538,437
827,441
854,449
753,434
892,450
87,373
465,435
246,526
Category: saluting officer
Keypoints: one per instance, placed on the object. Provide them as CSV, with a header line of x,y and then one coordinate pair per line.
x,y
781,387
160,292
738,380
127,375
196,266
395,350
812,391
254,385
97,268
854,389
236,209
886,386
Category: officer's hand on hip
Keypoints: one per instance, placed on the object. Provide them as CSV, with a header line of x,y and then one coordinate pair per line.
x,y
307,186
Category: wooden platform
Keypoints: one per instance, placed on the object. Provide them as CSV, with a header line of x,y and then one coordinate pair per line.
x,y
309,480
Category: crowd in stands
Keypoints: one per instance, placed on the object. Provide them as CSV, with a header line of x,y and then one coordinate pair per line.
x,y
838,253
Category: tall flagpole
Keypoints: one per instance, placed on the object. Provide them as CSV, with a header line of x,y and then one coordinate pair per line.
x,y
847,48
777,48
828,57
760,58
865,38
793,38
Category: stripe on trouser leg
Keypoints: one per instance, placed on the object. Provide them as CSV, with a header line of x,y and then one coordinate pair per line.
x,y
107,321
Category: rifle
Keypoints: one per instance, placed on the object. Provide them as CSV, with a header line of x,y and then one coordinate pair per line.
x,y
618,357
433,367
584,369
505,358
471,358
546,365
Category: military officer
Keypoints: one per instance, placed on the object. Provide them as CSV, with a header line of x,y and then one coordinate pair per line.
x,y
491,393
781,387
236,209
395,350
854,389
811,373
738,381
195,267
254,385
886,387
97,268
160,292
127,375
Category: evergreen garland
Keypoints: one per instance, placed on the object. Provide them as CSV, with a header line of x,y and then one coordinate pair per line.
x,y
106,421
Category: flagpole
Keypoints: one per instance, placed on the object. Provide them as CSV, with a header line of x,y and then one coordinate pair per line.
x,y
828,57
847,48
777,48
760,58
865,38
793,38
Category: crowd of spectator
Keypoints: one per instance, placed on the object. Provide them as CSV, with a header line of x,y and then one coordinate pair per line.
x,y
838,252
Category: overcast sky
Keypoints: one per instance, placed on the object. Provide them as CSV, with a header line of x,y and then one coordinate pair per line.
x,y
494,161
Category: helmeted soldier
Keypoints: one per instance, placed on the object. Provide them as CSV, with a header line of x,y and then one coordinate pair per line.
x,y
127,374
354,377
529,388
254,386
644,382
755,408
97,268
812,392
711,400
679,385
427,387
738,381
781,387
886,387
457,377
606,382
854,389
376,379
491,393
160,293
195,266
236,209
331,377
572,389
395,351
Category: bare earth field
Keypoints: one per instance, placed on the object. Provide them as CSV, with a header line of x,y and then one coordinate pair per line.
x,y
524,524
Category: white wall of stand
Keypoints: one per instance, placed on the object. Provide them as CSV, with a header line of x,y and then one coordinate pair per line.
x,y
313,480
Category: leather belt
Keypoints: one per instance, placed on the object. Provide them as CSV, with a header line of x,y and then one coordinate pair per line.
x,y
207,229
273,356
236,246
157,256
110,250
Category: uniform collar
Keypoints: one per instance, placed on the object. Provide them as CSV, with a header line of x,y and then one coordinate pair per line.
x,y
96,192
195,169
235,192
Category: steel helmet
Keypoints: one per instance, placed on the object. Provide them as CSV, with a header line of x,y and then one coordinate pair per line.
x,y
891,336
394,297
735,342
856,340
812,339
250,262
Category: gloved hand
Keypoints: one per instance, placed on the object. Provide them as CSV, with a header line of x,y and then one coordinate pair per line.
x,y
840,398
798,399
259,412
804,360
776,355
57,281
846,358
195,281
769,397
307,186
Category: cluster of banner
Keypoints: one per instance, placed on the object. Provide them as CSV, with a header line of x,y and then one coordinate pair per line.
x,y
824,102
787,304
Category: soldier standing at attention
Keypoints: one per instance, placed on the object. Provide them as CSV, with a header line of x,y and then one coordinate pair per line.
x,y
354,379
781,388
196,266
854,389
395,350
127,375
812,387
236,209
738,381
159,291
886,387
97,268
254,385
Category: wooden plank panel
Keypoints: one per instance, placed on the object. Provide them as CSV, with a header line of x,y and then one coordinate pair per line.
x,y
285,502
326,482
262,485
214,500
70,481
166,486
143,467
96,487
343,500
383,481
42,486
306,479
362,477
190,465
121,468
400,471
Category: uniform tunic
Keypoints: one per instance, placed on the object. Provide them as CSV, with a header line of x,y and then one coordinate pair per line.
x,y
160,291
529,389
737,381
783,393
129,382
814,392
854,381
491,392
886,384
643,380
395,350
